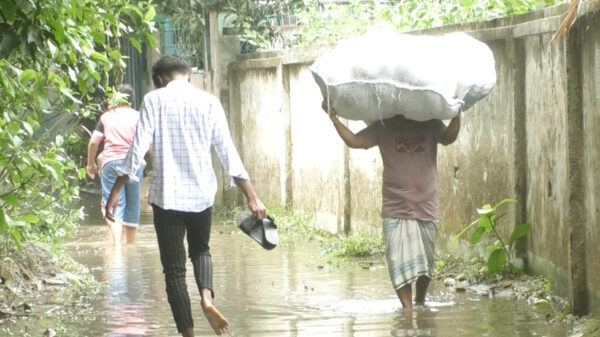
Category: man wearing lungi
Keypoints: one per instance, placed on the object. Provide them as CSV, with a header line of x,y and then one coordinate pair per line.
x,y
410,208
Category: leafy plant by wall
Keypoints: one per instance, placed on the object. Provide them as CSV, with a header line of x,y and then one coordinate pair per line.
x,y
501,251
57,58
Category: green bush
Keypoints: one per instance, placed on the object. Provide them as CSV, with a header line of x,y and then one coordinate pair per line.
x,y
57,59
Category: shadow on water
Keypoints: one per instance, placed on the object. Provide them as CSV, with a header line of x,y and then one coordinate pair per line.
x,y
282,292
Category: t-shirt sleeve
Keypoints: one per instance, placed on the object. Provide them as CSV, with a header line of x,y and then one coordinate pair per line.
x,y
371,134
99,130
438,129
99,127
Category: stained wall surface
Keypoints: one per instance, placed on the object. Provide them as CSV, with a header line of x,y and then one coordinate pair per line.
x,y
534,138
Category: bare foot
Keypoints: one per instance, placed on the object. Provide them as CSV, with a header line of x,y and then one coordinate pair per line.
x,y
217,321
419,304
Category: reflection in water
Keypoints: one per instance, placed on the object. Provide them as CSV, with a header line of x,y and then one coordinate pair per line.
x,y
421,322
125,292
282,293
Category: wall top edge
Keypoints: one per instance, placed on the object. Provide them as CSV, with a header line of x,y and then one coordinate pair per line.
x,y
541,21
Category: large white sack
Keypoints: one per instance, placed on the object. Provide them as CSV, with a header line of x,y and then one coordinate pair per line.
x,y
383,74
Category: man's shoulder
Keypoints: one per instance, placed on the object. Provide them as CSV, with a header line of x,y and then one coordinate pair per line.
x,y
205,95
192,92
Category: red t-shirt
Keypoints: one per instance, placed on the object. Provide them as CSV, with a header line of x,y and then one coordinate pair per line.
x,y
409,152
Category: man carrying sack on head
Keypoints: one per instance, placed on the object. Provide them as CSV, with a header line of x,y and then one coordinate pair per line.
x,y
410,193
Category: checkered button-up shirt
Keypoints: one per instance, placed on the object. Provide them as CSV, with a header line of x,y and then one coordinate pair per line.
x,y
182,123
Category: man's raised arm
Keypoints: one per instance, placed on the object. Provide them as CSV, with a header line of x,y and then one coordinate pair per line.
x,y
350,138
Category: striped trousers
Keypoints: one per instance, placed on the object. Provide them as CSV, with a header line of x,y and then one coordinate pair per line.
x,y
171,227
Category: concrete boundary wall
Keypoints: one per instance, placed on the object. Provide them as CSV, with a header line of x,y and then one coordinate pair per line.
x,y
535,138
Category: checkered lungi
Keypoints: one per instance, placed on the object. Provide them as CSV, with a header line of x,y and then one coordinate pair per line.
x,y
410,247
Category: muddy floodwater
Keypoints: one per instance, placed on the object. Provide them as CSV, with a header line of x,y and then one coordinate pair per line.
x,y
289,291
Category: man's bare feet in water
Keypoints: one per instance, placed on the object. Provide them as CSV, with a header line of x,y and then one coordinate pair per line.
x,y
217,321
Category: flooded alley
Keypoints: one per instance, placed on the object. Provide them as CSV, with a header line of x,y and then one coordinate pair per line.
x,y
289,291
380,134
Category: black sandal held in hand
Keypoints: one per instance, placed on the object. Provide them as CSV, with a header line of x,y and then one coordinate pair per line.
x,y
262,231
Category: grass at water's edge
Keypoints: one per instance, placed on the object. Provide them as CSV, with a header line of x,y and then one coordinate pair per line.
x,y
591,328
293,225
40,277
536,290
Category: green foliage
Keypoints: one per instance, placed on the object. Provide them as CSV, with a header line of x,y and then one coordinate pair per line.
x,y
297,224
500,254
327,23
57,59
253,19
188,20
334,22
592,328
358,245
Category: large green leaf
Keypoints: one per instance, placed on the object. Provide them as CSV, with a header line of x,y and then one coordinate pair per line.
x,y
7,87
30,218
67,92
99,57
99,37
519,232
59,31
467,3
9,11
150,14
151,40
496,261
17,237
3,221
485,223
12,200
136,43
477,235
27,76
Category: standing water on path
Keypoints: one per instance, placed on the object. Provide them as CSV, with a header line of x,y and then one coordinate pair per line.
x,y
283,292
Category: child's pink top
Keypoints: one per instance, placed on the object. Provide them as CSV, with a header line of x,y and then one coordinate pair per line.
x,y
117,128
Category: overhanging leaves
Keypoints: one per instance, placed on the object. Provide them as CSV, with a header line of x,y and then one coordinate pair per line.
x,y
56,60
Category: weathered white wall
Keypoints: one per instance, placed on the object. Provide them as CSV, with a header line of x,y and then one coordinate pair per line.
x,y
590,57
533,139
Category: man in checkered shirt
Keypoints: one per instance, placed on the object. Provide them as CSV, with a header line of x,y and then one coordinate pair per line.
x,y
182,123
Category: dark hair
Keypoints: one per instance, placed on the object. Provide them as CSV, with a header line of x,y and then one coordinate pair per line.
x,y
127,89
168,65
